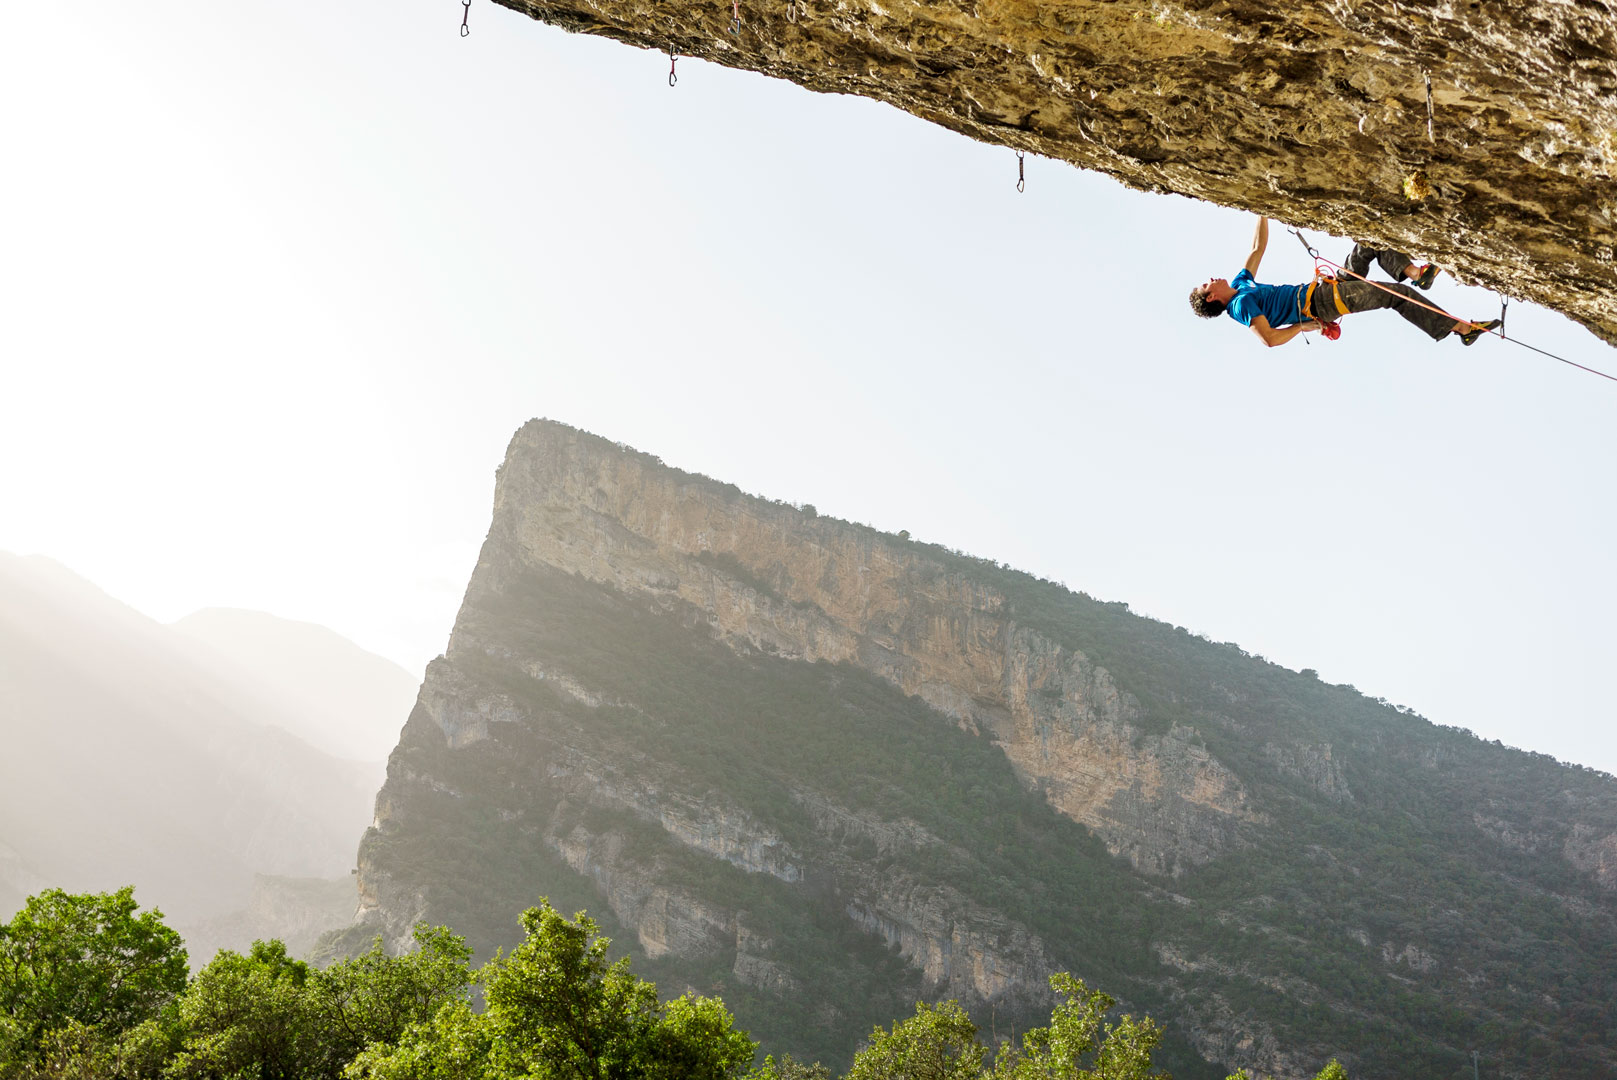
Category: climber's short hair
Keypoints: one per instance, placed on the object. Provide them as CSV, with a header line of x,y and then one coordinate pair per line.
x,y
1207,309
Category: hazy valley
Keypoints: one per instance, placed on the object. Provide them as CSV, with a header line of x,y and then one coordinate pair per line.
x,y
175,759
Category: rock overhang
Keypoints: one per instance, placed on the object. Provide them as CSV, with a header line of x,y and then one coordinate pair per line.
x,y
1317,115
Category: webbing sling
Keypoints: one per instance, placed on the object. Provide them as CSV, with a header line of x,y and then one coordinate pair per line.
x,y
1306,308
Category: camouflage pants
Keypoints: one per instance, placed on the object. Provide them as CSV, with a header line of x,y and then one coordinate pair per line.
x,y
1406,300
1392,263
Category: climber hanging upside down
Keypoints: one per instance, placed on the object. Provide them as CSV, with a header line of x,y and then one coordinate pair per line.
x,y
1278,313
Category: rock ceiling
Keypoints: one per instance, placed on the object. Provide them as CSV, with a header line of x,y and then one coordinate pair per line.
x,y
1479,134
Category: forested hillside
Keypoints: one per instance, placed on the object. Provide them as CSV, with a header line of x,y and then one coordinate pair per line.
x,y
824,771
90,986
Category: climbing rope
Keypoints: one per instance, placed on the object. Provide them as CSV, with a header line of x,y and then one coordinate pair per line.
x,y
1499,331
1320,260
1552,356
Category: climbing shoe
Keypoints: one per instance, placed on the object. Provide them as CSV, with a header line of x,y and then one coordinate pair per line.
x,y
1428,274
1477,330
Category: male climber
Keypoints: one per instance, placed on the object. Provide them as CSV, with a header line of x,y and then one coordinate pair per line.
x,y
1278,313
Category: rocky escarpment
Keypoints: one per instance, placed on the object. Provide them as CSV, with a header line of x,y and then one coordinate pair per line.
x,y
825,771
766,578
1480,134
594,813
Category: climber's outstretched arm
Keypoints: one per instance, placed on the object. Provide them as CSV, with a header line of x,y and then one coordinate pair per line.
x,y
1260,241
1273,336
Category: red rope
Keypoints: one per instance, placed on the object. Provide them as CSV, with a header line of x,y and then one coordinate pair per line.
x,y
1408,300
1499,333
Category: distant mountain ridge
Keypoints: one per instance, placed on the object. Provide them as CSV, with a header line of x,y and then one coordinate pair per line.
x,y
825,771
323,688
130,760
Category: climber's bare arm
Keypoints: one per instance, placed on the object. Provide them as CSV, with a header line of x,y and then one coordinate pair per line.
x,y
1260,241
1272,337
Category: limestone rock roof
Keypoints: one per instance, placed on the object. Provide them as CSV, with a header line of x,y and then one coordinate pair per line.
x,y
1313,113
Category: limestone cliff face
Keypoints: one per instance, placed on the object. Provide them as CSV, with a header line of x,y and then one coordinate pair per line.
x,y
960,948
825,772
1481,134
1594,851
765,577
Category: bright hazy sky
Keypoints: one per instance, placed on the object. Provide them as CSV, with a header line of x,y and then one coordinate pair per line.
x,y
280,280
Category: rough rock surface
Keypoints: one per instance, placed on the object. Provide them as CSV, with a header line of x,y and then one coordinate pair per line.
x,y
828,594
1316,114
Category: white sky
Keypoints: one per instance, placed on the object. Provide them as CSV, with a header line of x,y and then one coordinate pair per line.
x,y
279,281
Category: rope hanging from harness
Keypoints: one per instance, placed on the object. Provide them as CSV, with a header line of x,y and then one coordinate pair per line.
x,y
1305,297
1306,301
1498,331
1320,260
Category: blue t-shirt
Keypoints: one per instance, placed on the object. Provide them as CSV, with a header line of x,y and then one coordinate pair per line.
x,y
1277,303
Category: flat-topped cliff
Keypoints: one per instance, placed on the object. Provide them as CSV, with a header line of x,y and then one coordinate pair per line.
x,y
824,771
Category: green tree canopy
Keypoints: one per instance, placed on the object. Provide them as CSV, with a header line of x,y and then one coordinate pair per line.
x,y
558,1010
375,998
252,1017
1079,1044
937,1043
266,1016
456,1044
940,1043
80,962
787,1069
1332,1071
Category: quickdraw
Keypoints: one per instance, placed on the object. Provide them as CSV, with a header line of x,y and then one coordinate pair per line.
x,y
1498,330
1429,136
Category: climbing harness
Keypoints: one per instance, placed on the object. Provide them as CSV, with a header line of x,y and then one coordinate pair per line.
x,y
1497,330
1305,299
1305,296
1320,260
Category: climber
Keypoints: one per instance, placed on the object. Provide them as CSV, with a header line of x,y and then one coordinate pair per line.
x,y
1278,313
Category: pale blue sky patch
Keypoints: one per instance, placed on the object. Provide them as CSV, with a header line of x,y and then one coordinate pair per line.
x,y
281,280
